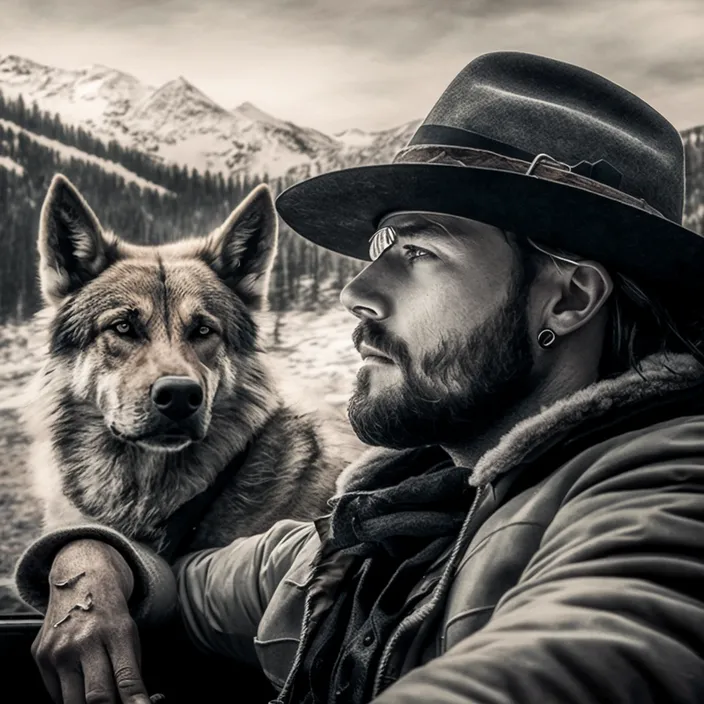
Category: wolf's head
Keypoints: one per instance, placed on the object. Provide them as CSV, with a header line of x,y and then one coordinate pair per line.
x,y
151,337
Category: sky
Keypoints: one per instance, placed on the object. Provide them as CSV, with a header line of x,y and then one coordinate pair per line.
x,y
370,64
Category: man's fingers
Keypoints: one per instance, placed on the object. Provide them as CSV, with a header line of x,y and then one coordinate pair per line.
x,y
72,686
52,683
137,649
98,678
130,686
128,679
46,669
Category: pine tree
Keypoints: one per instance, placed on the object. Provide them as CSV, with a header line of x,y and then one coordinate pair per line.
x,y
196,203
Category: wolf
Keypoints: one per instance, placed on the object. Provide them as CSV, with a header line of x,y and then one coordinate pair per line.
x,y
154,411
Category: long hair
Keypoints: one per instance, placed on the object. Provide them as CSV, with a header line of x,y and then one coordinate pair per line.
x,y
642,320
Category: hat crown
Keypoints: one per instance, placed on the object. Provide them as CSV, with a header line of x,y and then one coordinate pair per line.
x,y
540,105
616,195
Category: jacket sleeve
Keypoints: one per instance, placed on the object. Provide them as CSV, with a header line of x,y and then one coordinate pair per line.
x,y
220,593
223,593
611,607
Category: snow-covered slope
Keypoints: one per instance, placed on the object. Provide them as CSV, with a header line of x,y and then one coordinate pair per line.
x,y
178,123
10,165
67,153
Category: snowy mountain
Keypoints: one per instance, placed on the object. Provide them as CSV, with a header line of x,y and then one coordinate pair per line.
x,y
178,123
93,96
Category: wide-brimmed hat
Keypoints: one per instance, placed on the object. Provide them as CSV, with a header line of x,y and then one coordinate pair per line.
x,y
534,146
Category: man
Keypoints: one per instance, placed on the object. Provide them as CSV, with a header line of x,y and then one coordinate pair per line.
x,y
531,528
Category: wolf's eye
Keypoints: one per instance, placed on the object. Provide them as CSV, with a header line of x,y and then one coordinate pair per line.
x,y
202,332
122,328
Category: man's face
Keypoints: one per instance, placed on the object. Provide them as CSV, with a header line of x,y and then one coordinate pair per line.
x,y
443,333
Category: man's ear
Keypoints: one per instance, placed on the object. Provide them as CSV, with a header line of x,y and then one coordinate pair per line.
x,y
582,292
72,249
243,249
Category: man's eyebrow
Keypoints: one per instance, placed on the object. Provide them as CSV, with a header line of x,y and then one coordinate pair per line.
x,y
434,231
429,230
420,230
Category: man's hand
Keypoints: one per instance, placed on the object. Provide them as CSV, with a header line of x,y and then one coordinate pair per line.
x,y
88,649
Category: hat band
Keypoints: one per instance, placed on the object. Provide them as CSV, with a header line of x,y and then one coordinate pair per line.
x,y
534,166
437,135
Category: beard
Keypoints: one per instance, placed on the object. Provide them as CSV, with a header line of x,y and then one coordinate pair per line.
x,y
464,386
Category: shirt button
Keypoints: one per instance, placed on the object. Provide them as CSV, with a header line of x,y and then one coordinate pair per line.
x,y
368,639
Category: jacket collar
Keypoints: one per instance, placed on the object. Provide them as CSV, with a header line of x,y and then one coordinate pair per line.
x,y
661,380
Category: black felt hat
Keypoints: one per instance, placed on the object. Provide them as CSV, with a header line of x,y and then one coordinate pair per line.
x,y
535,146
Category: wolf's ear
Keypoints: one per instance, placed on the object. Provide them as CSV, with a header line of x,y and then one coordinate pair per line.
x,y
72,249
243,249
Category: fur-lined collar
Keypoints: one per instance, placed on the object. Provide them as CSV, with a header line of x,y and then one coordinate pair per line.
x,y
659,376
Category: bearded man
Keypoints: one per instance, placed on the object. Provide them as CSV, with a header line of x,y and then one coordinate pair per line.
x,y
530,525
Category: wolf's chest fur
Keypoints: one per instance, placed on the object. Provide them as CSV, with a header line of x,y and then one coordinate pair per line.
x,y
284,474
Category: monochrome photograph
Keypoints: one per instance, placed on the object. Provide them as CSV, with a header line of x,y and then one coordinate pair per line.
x,y
352,353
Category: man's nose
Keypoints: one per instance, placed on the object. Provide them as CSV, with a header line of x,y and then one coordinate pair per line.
x,y
364,300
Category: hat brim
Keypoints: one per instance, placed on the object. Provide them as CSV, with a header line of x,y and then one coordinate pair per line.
x,y
340,211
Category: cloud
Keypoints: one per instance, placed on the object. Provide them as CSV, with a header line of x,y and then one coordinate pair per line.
x,y
367,63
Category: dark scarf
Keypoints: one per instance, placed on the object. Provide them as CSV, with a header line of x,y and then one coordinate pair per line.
x,y
429,505
394,531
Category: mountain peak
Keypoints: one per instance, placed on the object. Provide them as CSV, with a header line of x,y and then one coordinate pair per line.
x,y
352,131
252,112
14,58
178,123
179,83
101,68
354,137
180,91
12,62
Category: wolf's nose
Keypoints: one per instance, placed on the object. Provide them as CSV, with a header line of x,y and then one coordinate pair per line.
x,y
177,397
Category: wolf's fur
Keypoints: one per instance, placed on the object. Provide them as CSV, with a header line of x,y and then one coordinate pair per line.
x,y
94,455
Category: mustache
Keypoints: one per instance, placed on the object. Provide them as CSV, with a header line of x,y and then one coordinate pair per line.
x,y
373,334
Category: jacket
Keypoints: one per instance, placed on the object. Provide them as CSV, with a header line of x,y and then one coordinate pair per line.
x,y
577,576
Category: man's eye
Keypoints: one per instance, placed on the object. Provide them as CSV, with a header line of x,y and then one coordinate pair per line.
x,y
412,252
